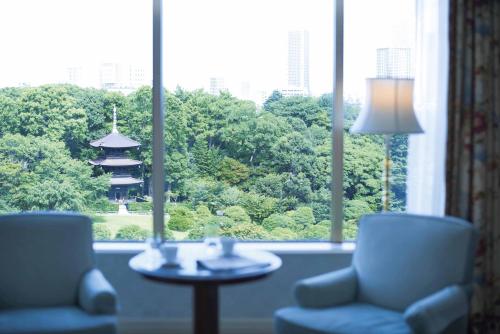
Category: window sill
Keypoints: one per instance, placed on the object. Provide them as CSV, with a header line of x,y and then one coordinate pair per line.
x,y
275,247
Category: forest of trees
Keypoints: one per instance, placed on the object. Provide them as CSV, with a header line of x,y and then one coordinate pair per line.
x,y
268,169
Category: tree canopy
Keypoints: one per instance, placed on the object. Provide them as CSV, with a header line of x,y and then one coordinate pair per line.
x,y
267,167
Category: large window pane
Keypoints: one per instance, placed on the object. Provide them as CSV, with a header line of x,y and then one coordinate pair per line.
x,y
247,120
379,43
65,66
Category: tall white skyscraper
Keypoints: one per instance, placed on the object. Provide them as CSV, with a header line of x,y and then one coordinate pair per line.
x,y
298,61
75,75
394,63
216,86
120,77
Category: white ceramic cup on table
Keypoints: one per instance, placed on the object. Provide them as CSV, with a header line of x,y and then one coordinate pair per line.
x,y
169,252
227,246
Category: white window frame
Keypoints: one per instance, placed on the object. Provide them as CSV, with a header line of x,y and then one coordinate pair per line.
x,y
337,135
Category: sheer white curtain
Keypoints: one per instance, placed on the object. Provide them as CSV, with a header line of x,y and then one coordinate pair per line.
x,y
427,152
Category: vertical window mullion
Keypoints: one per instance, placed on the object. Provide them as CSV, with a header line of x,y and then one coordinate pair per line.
x,y
158,169
338,124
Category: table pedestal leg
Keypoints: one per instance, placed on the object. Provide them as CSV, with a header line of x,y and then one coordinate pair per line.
x,y
206,309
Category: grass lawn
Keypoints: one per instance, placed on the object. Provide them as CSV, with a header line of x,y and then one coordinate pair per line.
x,y
115,222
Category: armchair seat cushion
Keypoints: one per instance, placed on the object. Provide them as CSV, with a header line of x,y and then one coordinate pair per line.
x,y
355,318
54,320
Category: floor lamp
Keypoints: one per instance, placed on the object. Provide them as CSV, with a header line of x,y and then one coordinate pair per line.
x,y
388,110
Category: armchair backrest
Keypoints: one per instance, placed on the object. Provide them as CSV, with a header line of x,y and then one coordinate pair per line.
x,y
401,258
42,258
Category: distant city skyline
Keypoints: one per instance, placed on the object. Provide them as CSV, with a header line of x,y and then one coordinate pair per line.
x,y
242,42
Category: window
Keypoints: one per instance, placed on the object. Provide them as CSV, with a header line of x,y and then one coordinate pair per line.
x,y
379,43
247,131
241,138
63,74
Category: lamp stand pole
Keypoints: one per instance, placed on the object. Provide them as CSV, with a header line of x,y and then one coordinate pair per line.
x,y
387,173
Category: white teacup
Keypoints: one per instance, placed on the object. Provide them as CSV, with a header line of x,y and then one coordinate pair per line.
x,y
169,252
227,246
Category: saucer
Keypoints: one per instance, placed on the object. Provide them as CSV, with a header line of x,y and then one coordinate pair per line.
x,y
172,264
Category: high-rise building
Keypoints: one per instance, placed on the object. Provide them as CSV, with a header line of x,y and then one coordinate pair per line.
x,y
216,85
245,90
75,75
298,61
120,77
394,63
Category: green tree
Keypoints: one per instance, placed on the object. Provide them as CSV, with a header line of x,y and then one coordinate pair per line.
x,y
306,109
258,207
303,218
354,209
274,97
363,169
283,234
277,220
246,231
237,214
316,232
232,171
39,174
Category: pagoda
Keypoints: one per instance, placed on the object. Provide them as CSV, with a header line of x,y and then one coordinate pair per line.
x,y
114,159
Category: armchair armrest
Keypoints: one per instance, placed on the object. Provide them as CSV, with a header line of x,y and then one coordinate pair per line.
x,y
96,295
338,287
434,313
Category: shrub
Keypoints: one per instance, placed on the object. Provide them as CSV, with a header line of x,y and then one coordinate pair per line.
x,y
246,231
101,232
303,217
132,232
281,233
229,197
197,233
202,211
103,205
325,223
237,214
277,220
258,207
221,224
315,232
168,234
140,206
181,218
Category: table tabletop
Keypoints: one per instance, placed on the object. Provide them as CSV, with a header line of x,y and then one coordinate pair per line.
x,y
150,264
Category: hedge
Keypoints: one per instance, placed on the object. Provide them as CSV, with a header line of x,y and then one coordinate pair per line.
x,y
101,232
132,232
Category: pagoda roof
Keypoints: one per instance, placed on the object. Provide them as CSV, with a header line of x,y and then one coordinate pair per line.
x,y
115,162
125,181
115,140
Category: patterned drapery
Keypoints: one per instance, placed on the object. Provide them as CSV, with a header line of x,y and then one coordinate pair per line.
x,y
473,147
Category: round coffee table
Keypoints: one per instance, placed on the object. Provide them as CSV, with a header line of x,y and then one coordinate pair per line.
x,y
205,282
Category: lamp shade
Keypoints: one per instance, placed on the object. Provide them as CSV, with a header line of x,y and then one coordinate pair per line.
x,y
388,108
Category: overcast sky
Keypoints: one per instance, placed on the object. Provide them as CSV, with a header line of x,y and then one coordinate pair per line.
x,y
239,40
